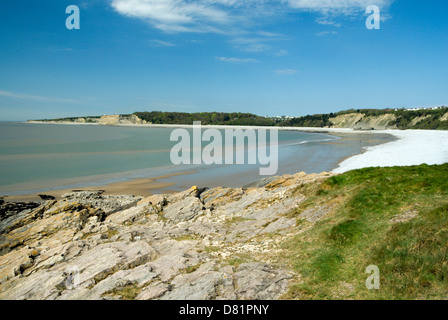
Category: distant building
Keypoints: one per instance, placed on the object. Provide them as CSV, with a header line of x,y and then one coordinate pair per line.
x,y
417,109
280,117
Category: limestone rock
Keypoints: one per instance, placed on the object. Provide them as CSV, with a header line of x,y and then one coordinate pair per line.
x,y
219,243
203,288
260,282
107,203
183,210
153,291
110,119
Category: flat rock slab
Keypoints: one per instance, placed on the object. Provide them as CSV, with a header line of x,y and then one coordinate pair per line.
x,y
199,244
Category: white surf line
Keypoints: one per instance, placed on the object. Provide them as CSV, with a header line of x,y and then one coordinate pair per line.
x,y
414,147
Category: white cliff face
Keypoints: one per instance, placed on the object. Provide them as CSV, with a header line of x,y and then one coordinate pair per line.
x,y
221,243
109,119
120,119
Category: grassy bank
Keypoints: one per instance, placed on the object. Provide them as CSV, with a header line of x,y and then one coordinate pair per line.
x,y
394,218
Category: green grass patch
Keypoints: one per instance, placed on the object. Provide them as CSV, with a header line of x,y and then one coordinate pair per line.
x,y
412,255
326,264
187,237
347,232
238,259
191,269
127,292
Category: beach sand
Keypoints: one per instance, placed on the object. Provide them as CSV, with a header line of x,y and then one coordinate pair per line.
x,y
140,187
413,147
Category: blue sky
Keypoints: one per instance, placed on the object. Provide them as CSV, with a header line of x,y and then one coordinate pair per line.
x,y
269,57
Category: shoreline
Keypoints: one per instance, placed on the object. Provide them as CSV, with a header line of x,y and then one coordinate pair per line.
x,y
189,126
399,151
138,187
413,147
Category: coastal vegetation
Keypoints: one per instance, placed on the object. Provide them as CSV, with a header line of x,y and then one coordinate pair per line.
x,y
432,119
89,119
394,218
360,119
206,118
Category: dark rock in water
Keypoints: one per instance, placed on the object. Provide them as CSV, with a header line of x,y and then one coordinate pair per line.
x,y
84,193
46,197
8,209
108,203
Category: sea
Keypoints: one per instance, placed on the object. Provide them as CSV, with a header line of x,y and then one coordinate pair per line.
x,y
37,157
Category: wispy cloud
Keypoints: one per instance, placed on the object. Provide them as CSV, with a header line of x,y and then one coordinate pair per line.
x,y
262,44
324,33
243,22
175,15
226,16
284,72
160,43
35,97
248,44
327,22
336,6
281,53
236,60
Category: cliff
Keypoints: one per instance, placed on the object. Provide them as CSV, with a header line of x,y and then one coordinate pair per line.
x,y
374,119
102,120
120,119
362,119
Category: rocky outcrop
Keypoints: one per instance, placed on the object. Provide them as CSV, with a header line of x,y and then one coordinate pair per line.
x,y
132,119
219,243
110,119
346,120
359,121
120,119
8,209
444,117
381,122
108,204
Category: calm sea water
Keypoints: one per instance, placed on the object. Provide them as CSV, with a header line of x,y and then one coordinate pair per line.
x,y
42,157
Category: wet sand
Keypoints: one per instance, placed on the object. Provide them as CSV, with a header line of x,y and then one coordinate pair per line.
x,y
138,187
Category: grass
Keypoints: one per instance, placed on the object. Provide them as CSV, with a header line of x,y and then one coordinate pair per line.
x,y
236,219
187,237
412,256
191,269
209,249
238,259
126,292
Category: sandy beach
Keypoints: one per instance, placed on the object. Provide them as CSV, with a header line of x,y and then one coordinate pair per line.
x,y
413,147
142,187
